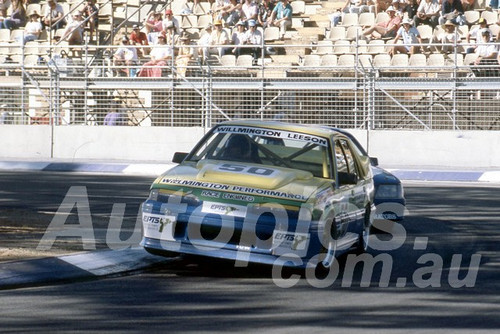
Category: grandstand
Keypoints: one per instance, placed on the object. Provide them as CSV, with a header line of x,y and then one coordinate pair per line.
x,y
318,73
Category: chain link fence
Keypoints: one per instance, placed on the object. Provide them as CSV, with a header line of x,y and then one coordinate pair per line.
x,y
297,83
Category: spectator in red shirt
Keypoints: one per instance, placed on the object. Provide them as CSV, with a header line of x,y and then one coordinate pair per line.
x,y
385,29
137,37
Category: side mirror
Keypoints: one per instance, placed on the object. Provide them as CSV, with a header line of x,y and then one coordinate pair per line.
x,y
179,157
374,161
347,178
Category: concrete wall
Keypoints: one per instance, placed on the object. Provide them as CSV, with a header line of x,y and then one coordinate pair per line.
x,y
453,149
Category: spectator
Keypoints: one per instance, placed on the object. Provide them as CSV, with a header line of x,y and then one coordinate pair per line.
x,y
4,5
184,56
249,11
239,37
493,4
33,28
410,36
153,26
399,7
476,34
117,115
219,38
159,54
486,51
427,13
73,33
254,37
126,57
410,7
169,17
448,39
452,10
282,17
53,18
487,54
137,37
386,29
204,42
468,4
231,13
382,5
17,18
90,13
358,6
265,10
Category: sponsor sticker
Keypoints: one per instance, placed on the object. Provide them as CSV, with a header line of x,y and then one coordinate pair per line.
x,y
286,242
224,209
158,226
274,134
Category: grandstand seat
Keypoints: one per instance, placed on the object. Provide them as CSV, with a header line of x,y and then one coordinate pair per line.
x,y
4,35
463,31
365,61
376,46
189,21
203,21
298,7
228,60
381,60
244,61
16,34
324,47
450,59
346,61
33,7
336,33
353,32
202,8
178,6
471,16
417,60
342,47
435,60
297,22
470,58
399,60
349,19
490,16
31,48
425,32
312,61
495,30
31,60
271,34
381,17
366,19
329,60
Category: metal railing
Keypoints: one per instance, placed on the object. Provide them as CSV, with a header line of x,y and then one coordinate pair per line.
x,y
68,88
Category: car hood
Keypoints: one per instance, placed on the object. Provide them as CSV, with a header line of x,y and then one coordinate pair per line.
x,y
251,179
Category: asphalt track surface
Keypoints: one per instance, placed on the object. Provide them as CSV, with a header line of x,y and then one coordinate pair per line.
x,y
445,221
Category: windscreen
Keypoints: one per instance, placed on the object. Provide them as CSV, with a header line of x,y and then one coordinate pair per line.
x,y
267,147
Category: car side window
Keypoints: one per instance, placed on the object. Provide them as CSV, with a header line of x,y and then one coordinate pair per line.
x,y
345,158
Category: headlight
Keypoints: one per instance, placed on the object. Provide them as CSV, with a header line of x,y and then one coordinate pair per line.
x,y
386,191
153,195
